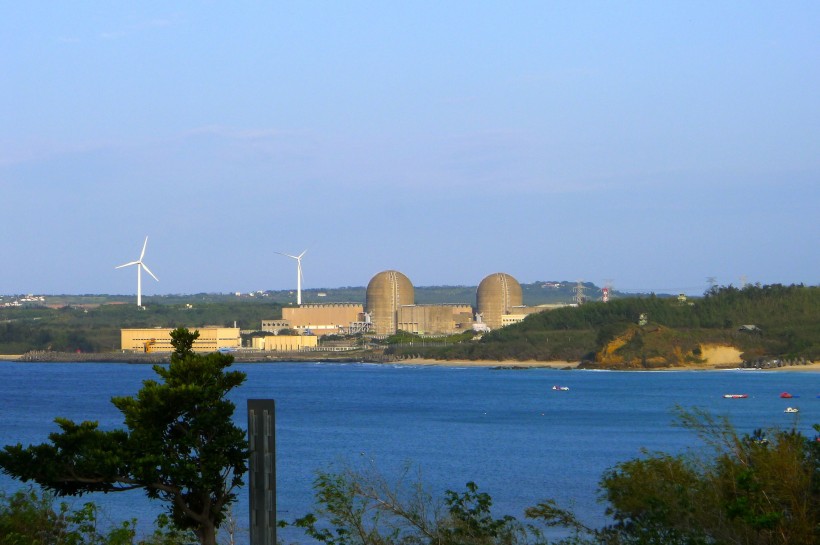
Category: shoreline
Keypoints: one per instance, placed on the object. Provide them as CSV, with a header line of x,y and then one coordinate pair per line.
x,y
58,357
564,365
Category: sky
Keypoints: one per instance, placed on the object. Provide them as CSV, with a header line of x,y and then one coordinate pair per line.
x,y
650,145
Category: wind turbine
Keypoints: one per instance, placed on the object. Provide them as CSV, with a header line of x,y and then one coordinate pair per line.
x,y
298,259
140,265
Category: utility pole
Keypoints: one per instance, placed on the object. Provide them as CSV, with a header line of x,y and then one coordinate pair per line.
x,y
262,471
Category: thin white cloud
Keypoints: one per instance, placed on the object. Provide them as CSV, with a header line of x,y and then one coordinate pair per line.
x,y
15,152
136,28
113,35
238,134
159,22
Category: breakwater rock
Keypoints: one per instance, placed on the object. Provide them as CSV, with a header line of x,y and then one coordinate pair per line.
x,y
92,357
47,356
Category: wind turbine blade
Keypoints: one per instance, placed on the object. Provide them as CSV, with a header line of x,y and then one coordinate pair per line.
x,y
300,255
287,255
127,265
149,271
144,245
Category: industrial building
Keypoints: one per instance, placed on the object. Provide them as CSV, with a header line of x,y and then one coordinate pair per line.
x,y
390,306
497,295
275,326
285,343
323,319
158,339
435,319
386,293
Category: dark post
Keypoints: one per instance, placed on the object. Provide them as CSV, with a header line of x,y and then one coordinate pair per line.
x,y
262,471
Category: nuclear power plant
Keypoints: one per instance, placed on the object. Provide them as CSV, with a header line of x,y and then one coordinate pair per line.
x,y
387,293
390,307
497,296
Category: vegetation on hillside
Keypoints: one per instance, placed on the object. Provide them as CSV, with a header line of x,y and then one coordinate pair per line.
x,y
787,321
97,329
92,323
534,293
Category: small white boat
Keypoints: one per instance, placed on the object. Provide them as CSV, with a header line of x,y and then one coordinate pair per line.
x,y
791,410
561,388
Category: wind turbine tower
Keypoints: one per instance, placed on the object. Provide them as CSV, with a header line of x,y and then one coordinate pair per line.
x,y
298,259
140,266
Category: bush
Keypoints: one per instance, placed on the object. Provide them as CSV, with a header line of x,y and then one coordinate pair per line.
x,y
28,517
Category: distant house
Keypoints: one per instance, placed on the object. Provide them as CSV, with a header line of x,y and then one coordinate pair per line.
x,y
750,328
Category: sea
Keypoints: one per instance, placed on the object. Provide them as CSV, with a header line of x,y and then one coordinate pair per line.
x,y
507,430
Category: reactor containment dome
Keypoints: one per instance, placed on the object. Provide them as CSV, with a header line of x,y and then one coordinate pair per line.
x,y
386,292
497,295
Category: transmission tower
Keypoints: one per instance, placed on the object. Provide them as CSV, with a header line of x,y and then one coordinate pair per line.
x,y
607,290
579,292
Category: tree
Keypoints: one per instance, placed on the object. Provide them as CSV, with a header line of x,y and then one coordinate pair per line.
x,y
179,445
361,507
31,518
183,342
762,488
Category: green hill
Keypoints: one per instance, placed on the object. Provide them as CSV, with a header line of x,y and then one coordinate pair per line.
x,y
786,322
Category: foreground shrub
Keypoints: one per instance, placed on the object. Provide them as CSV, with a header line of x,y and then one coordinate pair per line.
x,y
756,489
30,518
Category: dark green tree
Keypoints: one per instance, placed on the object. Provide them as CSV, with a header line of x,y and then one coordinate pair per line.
x,y
183,341
179,444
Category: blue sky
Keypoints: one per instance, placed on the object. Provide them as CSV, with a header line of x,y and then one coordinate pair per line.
x,y
653,144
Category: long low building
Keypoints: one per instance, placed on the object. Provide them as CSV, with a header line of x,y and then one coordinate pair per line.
x,y
285,343
158,339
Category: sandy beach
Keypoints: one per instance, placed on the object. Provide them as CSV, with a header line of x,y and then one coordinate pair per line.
x,y
812,367
715,359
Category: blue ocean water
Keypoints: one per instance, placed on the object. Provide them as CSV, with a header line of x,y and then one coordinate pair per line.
x,y
507,430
